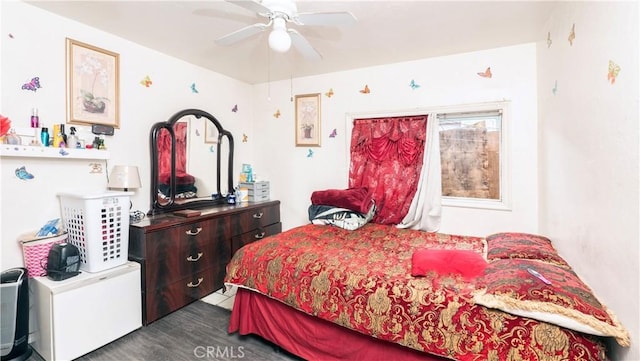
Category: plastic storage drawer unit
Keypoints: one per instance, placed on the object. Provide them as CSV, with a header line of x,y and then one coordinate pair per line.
x,y
258,191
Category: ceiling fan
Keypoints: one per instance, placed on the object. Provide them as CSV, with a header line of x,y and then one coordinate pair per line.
x,y
279,13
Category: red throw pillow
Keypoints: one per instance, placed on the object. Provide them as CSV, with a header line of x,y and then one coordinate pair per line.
x,y
468,264
507,245
355,199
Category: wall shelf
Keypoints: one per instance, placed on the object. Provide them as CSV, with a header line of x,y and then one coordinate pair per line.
x,y
28,151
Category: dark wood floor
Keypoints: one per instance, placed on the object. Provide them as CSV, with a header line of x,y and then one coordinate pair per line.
x,y
195,332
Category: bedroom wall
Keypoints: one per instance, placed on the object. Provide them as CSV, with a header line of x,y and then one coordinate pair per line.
x,y
37,48
448,80
588,131
589,151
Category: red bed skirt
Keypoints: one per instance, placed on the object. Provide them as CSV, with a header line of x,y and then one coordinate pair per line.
x,y
309,337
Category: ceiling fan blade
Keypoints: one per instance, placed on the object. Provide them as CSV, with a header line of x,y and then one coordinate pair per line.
x,y
214,13
241,34
251,5
303,46
328,19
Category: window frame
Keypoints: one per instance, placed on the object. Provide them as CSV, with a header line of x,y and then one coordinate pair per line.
x,y
504,201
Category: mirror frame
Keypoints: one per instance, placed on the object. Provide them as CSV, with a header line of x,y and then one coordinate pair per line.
x,y
171,205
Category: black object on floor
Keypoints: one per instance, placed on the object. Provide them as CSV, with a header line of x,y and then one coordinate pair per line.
x,y
14,345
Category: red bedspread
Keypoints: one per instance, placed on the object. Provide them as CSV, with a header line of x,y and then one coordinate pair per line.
x,y
362,280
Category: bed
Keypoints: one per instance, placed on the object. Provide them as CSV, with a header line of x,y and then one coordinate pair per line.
x,y
323,292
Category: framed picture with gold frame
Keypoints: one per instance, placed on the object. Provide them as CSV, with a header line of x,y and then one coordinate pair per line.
x,y
308,120
92,85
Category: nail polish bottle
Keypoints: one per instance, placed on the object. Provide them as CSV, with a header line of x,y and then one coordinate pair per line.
x,y
35,121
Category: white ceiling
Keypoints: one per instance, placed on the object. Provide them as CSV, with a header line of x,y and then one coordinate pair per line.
x,y
386,32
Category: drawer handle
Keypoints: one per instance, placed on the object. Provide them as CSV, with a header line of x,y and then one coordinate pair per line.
x,y
192,233
260,236
191,259
191,285
258,215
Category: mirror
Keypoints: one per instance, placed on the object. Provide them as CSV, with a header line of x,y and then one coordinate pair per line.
x,y
190,153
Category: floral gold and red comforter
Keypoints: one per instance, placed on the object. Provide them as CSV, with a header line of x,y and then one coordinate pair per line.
x,y
362,280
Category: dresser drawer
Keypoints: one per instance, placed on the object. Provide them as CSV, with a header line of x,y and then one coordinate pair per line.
x,y
259,192
179,293
189,259
181,241
255,218
253,186
260,198
249,237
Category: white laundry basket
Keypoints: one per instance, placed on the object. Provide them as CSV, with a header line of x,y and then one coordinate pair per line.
x,y
98,224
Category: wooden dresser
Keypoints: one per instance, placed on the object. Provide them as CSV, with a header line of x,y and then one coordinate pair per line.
x,y
183,259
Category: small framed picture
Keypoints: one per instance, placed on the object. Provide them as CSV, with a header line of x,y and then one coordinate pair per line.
x,y
92,85
308,120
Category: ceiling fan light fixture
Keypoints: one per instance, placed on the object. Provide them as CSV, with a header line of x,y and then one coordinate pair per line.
x,y
279,39
279,13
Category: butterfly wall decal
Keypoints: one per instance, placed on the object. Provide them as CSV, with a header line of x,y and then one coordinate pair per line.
x,y
414,85
193,88
235,108
310,153
11,36
555,88
365,90
32,85
277,114
22,173
245,138
197,133
572,34
212,149
329,94
486,74
549,42
146,81
333,134
63,152
614,70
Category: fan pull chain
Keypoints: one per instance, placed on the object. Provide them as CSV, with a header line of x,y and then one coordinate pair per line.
x,y
268,74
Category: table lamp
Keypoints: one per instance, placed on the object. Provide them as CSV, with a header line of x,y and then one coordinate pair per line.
x,y
124,176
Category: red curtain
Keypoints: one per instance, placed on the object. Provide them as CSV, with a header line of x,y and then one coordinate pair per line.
x,y
386,157
164,150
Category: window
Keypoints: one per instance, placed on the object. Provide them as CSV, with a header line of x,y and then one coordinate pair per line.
x,y
472,154
474,150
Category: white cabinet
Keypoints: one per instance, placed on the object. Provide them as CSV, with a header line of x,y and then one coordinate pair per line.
x,y
80,314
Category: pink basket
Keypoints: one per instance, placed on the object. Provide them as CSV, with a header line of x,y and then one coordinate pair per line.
x,y
36,252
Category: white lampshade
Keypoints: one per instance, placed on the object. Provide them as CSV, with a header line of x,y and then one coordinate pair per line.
x,y
279,39
124,176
